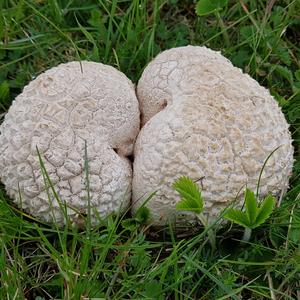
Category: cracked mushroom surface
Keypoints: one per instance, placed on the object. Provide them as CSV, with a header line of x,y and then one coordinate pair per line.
x,y
204,118
63,112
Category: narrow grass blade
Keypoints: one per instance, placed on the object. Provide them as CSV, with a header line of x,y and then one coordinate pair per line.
x,y
262,169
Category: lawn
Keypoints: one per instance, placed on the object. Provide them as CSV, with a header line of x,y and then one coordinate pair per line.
x,y
129,260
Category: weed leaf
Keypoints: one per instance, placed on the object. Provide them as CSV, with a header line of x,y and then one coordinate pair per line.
x,y
153,290
251,206
205,7
253,216
265,210
142,214
191,199
237,216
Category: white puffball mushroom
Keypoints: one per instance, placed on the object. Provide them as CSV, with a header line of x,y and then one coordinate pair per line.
x,y
71,108
205,119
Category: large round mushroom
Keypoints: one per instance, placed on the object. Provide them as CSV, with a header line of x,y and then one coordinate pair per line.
x,y
66,112
205,119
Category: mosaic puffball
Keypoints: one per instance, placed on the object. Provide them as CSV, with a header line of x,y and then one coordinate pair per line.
x,y
71,109
204,118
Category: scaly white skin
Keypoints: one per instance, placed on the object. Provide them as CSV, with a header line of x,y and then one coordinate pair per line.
x,y
191,70
56,113
220,125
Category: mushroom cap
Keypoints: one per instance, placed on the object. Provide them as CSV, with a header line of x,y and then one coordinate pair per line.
x,y
219,124
69,109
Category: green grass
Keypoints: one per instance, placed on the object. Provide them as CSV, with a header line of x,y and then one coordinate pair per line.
x,y
115,261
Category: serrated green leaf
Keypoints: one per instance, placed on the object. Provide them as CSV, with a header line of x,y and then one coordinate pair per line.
x,y
205,7
153,290
142,214
265,210
129,224
187,188
251,206
237,216
191,199
187,205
